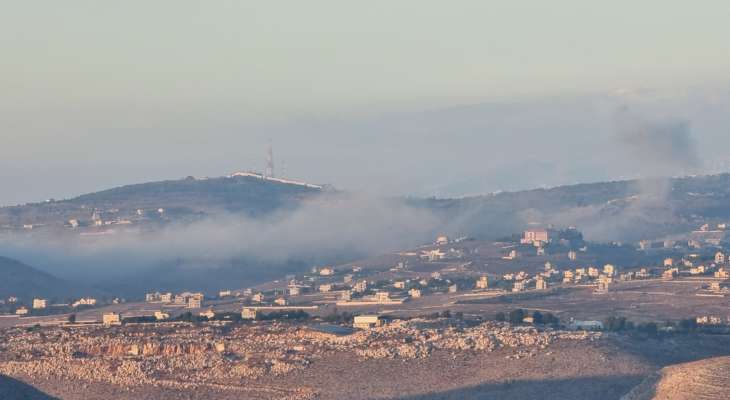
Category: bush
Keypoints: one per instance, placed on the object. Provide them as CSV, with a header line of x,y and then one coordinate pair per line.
x,y
537,318
516,316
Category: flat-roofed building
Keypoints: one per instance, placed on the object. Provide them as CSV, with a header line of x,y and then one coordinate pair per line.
x,y
21,311
535,236
281,301
367,321
111,318
360,287
482,282
248,313
194,302
161,315
415,293
39,303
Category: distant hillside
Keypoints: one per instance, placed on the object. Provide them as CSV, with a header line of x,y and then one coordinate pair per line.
x,y
18,279
184,198
621,210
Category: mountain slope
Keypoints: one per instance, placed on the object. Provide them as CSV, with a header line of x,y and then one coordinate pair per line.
x,y
621,210
187,198
18,279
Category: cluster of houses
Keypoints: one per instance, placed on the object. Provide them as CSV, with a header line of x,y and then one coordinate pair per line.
x,y
39,303
186,299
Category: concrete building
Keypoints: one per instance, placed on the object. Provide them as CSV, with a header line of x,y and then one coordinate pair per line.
x,y
194,302
382,297
209,313
432,255
482,282
668,262
414,293
152,297
593,272
325,288
347,278
224,293
360,287
326,271
39,303
86,301
585,325
609,269
399,285
720,258
670,273
722,273
568,276
21,311
111,318
453,288
541,284
248,313
572,255
346,295
161,315
512,255
519,286
281,301
604,283
535,237
367,321
258,298
166,297
294,290
709,320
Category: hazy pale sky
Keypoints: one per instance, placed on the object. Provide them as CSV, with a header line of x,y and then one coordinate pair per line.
x,y
95,94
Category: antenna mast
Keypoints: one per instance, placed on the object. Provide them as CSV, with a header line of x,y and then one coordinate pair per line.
x,y
270,161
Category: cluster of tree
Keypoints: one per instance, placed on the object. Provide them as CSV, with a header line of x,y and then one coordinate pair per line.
x,y
443,314
517,317
652,329
339,318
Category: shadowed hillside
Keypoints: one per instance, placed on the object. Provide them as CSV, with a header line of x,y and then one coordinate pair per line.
x,y
18,279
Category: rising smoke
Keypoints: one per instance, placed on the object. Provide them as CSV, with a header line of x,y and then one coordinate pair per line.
x,y
321,230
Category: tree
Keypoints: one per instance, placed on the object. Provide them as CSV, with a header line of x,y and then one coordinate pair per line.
x,y
688,325
537,318
500,317
71,318
550,319
516,316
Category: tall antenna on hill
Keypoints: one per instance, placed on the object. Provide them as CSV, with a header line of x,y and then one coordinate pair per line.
x,y
270,161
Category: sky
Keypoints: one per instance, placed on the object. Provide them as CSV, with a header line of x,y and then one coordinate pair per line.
x,y
398,97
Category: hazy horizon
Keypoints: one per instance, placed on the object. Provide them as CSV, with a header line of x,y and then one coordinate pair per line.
x,y
412,98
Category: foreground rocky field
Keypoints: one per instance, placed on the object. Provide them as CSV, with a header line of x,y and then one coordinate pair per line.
x,y
416,359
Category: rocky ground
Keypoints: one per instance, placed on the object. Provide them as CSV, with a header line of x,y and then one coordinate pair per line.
x,y
416,359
